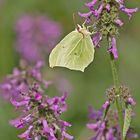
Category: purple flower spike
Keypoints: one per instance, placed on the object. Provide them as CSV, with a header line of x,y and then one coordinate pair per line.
x,y
106,16
100,131
19,104
113,50
25,89
47,129
119,22
17,83
41,115
107,127
17,123
128,11
37,34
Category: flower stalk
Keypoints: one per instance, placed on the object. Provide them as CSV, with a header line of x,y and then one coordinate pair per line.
x,y
116,85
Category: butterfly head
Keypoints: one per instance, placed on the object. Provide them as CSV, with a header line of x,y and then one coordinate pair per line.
x,y
83,30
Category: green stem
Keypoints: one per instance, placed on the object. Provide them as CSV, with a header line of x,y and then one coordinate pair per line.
x,y
116,84
114,72
43,138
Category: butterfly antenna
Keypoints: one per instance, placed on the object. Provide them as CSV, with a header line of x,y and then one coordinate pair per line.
x,y
75,23
74,20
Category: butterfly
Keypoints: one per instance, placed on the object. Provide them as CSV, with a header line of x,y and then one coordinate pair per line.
x,y
75,51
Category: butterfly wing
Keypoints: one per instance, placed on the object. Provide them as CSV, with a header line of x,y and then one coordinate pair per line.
x,y
74,52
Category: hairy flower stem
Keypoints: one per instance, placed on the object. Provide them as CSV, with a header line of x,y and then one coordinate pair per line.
x,y
116,85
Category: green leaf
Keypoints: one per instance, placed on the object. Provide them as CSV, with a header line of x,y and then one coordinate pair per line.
x,y
127,120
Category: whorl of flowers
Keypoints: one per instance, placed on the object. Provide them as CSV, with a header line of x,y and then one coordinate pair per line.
x,y
41,115
125,96
105,121
25,89
106,21
36,35
107,129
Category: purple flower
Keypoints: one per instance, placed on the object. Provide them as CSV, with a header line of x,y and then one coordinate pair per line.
x,y
92,12
98,12
132,135
66,136
106,105
87,16
22,121
39,112
113,50
119,22
131,101
93,114
91,4
36,36
47,129
128,11
26,134
96,39
110,134
94,126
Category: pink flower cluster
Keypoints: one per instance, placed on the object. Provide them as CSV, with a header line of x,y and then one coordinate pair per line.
x,y
36,35
40,114
108,127
107,21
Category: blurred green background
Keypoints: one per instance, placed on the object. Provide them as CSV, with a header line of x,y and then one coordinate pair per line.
x,y
88,87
